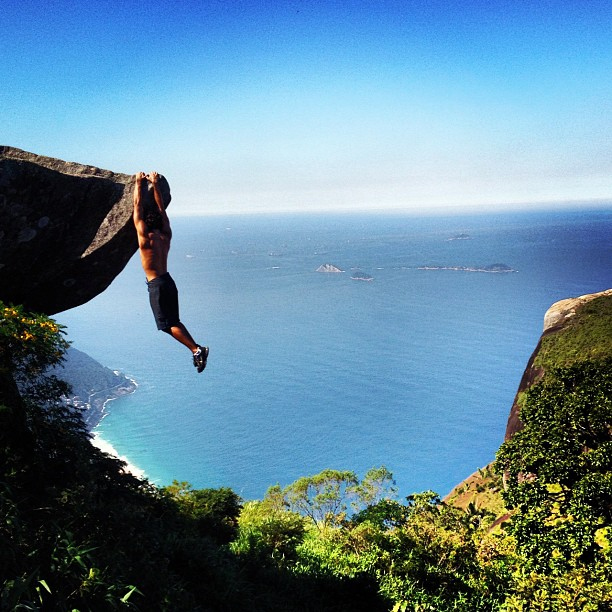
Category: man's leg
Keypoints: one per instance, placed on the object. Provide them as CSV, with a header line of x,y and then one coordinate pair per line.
x,y
200,353
165,307
179,332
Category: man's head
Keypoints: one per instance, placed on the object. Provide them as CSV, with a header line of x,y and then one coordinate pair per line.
x,y
153,220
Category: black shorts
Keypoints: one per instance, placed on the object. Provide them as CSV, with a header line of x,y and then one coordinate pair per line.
x,y
163,296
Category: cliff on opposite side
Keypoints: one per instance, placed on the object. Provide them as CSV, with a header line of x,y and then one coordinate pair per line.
x,y
575,329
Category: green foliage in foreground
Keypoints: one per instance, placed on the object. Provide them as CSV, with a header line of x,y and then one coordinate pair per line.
x,y
559,481
79,533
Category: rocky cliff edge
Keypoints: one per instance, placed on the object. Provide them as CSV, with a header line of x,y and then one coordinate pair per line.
x,y
557,318
66,229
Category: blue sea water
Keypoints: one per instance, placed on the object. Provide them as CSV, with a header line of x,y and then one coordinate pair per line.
x,y
415,370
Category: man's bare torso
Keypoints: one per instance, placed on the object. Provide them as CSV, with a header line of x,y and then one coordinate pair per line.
x,y
154,247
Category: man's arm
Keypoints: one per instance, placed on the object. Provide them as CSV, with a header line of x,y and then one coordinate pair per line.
x,y
138,211
154,178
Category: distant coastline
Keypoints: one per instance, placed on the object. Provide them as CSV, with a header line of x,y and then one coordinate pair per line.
x,y
93,385
95,406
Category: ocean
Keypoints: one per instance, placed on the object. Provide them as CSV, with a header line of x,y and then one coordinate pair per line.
x,y
415,369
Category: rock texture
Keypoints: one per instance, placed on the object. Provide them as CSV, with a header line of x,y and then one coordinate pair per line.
x,y
560,312
66,229
554,319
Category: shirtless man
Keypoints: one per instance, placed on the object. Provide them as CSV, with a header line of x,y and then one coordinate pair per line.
x,y
154,236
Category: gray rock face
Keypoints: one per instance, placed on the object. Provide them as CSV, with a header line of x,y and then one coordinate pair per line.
x,y
66,229
564,310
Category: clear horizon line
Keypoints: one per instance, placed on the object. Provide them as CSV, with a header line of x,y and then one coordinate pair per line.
x,y
434,210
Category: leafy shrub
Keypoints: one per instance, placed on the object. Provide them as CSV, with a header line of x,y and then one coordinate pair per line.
x,y
559,481
268,534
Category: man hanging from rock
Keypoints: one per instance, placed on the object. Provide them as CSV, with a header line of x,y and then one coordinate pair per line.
x,y
154,236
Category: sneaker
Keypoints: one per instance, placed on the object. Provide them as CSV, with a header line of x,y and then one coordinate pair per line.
x,y
200,358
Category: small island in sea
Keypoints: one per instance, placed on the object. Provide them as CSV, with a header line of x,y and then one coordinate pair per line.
x,y
361,276
329,268
494,268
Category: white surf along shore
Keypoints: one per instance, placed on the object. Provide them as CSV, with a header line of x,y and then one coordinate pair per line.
x,y
93,388
104,445
108,448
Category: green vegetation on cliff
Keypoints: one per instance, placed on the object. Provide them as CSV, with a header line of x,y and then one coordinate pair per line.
x,y
586,336
558,471
80,533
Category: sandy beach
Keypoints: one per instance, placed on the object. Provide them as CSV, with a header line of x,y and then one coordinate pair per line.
x,y
108,448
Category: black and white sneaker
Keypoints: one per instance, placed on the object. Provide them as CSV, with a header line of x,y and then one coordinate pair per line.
x,y
200,357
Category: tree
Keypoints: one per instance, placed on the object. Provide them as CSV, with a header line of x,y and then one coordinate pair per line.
x,y
268,533
324,498
214,511
29,345
377,484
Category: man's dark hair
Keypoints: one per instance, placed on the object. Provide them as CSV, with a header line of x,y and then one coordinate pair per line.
x,y
153,220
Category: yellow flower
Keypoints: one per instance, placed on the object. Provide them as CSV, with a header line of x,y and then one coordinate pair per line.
x,y
601,538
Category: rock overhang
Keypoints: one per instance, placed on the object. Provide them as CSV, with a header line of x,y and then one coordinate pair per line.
x,y
66,229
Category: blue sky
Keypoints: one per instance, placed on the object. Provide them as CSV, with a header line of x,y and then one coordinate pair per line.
x,y
311,105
